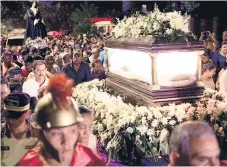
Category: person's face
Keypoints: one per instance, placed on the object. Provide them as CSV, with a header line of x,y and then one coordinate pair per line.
x,y
59,62
67,59
224,49
40,71
204,151
224,36
66,50
5,91
8,49
85,128
7,59
17,77
77,58
14,123
50,63
63,140
55,50
98,67
28,67
205,59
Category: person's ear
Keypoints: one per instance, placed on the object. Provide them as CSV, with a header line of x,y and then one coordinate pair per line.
x,y
173,158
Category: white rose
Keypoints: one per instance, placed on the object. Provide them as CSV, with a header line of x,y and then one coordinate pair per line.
x,y
172,122
154,123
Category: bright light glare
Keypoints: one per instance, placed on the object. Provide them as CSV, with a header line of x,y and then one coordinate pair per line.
x,y
173,64
130,64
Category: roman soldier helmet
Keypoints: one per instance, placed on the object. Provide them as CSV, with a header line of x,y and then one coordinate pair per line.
x,y
56,109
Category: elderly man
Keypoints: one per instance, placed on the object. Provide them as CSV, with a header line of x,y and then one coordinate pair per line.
x,y
194,143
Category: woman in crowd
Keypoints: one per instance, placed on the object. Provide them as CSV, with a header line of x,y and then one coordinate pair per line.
x,y
86,137
208,71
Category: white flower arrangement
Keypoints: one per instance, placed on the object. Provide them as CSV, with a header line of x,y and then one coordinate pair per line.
x,y
155,23
146,127
38,43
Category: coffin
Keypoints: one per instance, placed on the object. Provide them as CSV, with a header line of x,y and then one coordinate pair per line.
x,y
156,71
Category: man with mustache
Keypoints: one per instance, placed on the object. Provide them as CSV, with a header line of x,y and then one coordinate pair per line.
x,y
32,86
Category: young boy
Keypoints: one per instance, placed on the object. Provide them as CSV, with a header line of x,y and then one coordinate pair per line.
x,y
98,70
86,138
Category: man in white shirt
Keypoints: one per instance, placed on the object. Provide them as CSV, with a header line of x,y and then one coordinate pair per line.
x,y
40,80
223,82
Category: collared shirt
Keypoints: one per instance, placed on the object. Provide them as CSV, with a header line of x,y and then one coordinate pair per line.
x,y
32,87
12,149
100,76
82,75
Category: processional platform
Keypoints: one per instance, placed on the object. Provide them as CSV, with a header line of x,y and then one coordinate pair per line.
x,y
156,72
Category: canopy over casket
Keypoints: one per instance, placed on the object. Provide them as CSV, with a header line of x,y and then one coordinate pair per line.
x,y
156,70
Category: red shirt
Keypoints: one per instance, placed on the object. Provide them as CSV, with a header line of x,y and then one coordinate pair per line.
x,y
82,157
24,72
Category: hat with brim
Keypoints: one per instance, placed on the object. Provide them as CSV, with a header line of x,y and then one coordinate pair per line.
x,y
12,114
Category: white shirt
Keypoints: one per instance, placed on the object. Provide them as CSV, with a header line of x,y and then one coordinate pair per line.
x,y
32,87
223,82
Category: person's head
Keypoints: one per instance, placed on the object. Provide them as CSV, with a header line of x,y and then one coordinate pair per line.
x,y
59,136
224,47
77,57
209,45
193,143
17,107
8,48
34,4
56,49
15,87
40,69
14,74
97,66
35,52
24,54
224,36
208,70
29,63
66,59
59,61
14,58
49,62
95,52
205,58
85,127
7,58
66,49
5,90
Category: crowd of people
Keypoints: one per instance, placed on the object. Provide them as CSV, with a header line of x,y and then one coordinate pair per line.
x,y
214,62
40,80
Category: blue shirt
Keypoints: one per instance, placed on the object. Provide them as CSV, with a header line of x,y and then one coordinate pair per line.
x,y
82,75
219,60
103,57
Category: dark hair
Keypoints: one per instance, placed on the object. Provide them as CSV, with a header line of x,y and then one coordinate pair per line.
x,y
208,66
15,87
29,59
84,110
224,43
33,103
24,52
39,62
5,81
95,62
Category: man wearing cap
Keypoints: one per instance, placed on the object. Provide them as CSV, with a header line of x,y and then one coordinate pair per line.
x,y
16,137
57,117
78,70
14,74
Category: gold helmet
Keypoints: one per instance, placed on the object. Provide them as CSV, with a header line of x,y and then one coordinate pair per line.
x,y
56,108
